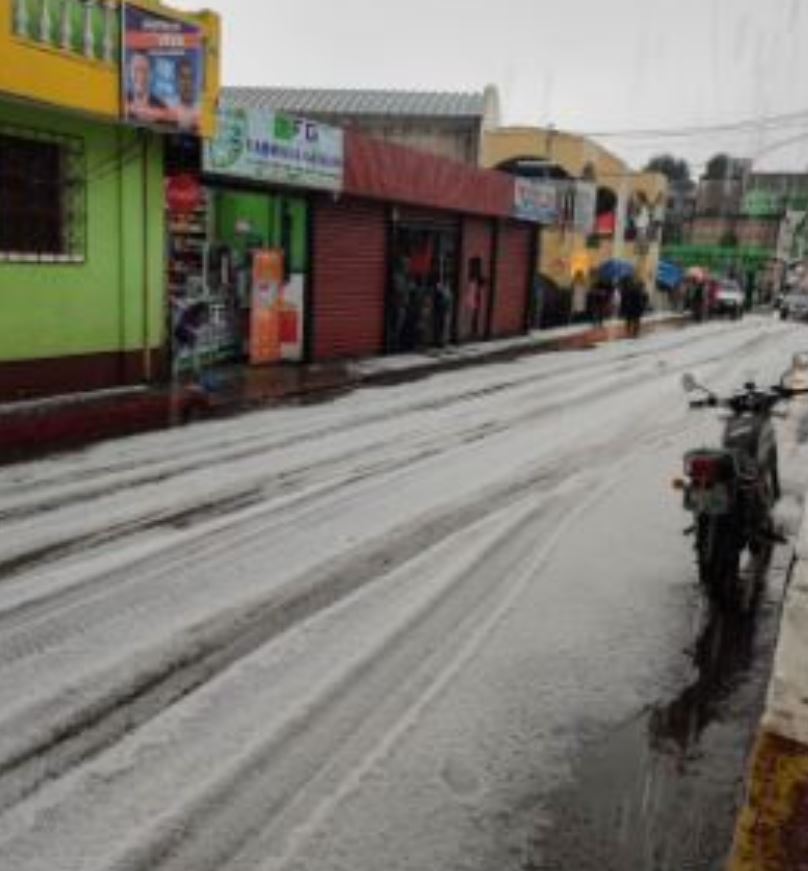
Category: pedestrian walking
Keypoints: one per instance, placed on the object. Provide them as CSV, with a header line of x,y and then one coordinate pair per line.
x,y
412,318
603,301
399,305
441,306
750,289
592,306
616,302
633,302
697,301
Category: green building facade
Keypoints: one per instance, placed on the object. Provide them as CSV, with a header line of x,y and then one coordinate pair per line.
x,y
83,307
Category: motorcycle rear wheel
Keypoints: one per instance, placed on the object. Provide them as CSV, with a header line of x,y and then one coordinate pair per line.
x,y
718,548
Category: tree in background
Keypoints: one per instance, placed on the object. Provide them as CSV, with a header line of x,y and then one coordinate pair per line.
x,y
723,167
677,171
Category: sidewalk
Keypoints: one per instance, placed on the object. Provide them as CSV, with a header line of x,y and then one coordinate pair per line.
x,y
35,428
772,832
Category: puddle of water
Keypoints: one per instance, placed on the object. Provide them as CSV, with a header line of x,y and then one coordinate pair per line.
x,y
662,791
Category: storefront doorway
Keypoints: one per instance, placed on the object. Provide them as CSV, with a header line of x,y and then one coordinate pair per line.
x,y
232,251
423,295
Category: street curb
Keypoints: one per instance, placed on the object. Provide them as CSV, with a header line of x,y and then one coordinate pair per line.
x,y
34,429
30,431
510,349
772,829
772,833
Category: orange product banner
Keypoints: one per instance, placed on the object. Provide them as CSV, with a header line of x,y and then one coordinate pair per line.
x,y
265,332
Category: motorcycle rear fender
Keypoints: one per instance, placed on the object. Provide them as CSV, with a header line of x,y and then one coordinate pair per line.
x,y
725,458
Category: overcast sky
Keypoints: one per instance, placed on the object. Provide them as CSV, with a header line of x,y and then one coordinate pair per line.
x,y
585,65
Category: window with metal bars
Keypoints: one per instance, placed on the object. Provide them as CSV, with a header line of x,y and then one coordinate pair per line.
x,y
42,197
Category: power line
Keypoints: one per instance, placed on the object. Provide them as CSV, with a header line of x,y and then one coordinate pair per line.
x,y
783,143
749,124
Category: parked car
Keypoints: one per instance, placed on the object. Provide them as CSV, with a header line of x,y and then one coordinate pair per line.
x,y
794,306
726,298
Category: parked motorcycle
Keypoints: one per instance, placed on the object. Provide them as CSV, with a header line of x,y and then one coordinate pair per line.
x,y
731,490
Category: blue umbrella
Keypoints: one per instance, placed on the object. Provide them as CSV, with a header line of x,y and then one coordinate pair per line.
x,y
615,270
669,275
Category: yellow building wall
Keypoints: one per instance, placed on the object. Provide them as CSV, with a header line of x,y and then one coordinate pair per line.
x,y
570,152
564,253
59,78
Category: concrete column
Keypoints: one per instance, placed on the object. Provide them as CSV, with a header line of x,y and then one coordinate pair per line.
x,y
110,8
45,23
21,18
89,36
67,25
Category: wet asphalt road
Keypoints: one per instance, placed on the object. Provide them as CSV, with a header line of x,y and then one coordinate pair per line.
x,y
447,625
661,791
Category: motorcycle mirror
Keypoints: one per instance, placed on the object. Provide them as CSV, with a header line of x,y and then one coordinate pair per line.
x,y
796,378
689,383
800,362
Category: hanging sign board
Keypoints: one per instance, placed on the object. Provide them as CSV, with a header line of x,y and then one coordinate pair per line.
x,y
262,145
536,200
162,71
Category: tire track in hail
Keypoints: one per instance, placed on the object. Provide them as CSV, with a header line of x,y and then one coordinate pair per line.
x,y
100,585
257,442
220,642
269,486
216,644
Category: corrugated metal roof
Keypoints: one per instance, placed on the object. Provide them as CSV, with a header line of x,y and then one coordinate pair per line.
x,y
345,102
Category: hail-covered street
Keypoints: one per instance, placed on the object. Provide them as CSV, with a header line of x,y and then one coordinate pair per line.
x,y
376,633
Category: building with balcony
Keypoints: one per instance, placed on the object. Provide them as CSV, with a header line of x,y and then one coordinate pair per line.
x,y
82,233
624,224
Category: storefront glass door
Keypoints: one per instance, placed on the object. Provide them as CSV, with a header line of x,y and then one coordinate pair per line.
x,y
424,288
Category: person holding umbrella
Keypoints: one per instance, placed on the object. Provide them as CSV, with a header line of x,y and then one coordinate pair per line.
x,y
697,296
633,302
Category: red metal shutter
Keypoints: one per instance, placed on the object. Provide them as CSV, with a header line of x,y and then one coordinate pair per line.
x,y
511,293
350,278
473,311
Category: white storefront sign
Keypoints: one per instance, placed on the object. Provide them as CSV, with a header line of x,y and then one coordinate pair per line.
x,y
262,145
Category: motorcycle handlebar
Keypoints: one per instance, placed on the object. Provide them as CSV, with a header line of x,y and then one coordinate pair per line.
x,y
779,392
776,393
789,392
712,402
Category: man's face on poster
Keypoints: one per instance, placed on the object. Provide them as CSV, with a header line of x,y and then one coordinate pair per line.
x,y
186,84
140,78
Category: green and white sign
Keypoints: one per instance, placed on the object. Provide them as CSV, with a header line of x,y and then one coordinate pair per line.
x,y
262,145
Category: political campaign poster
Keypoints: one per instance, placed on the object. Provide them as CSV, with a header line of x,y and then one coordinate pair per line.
x,y
162,70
